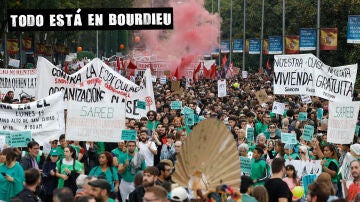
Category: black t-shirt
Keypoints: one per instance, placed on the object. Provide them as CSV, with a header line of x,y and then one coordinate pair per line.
x,y
277,188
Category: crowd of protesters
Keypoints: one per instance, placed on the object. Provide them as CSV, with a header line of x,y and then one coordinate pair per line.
x,y
141,170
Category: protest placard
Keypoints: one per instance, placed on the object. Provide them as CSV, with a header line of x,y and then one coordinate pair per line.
x,y
250,134
189,119
21,81
141,104
278,108
175,86
20,138
95,121
95,82
163,80
308,75
245,165
44,117
244,74
288,138
319,114
302,116
308,132
176,105
306,99
221,88
128,135
342,121
2,142
187,110
261,96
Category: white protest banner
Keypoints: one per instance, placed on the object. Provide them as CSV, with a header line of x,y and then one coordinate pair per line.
x,y
14,63
221,88
145,94
95,82
306,74
21,81
342,122
305,167
278,108
97,122
44,117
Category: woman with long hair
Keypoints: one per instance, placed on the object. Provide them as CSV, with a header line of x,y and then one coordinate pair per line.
x,y
12,175
50,181
260,193
106,170
330,164
68,169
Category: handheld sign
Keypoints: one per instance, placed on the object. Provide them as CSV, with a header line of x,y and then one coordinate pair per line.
x,y
189,119
20,138
187,110
302,116
250,134
245,165
278,108
308,132
288,138
128,135
176,105
141,104
7,136
320,113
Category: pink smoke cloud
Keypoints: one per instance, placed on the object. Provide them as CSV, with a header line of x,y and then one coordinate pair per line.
x,y
195,33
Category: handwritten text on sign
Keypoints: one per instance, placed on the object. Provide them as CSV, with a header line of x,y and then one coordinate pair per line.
x,y
342,121
95,121
44,117
306,74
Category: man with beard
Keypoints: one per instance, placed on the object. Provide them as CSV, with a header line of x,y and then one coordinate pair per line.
x,y
355,186
128,170
100,190
150,176
164,177
147,148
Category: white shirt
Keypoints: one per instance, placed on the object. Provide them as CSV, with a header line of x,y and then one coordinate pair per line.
x,y
144,150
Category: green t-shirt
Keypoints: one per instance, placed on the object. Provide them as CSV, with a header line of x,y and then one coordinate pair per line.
x,y
69,165
118,153
111,176
152,125
60,151
259,170
129,174
10,189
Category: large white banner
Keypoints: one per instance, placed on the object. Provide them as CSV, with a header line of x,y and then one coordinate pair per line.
x,y
21,81
95,121
306,74
44,117
146,94
342,122
305,167
95,82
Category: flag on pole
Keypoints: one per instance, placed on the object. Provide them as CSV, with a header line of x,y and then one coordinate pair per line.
x,y
223,61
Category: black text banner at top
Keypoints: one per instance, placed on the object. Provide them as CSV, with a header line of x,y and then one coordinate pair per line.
x,y
90,19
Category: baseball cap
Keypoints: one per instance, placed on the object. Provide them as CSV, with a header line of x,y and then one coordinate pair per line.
x,y
101,183
178,194
54,152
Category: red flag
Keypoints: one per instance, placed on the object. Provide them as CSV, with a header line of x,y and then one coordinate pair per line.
x,y
268,66
213,71
223,61
177,74
131,65
118,64
196,71
66,67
